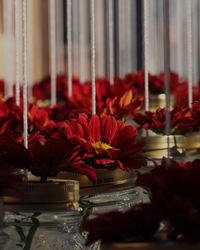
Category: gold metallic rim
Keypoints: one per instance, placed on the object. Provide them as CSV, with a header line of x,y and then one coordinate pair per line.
x,y
60,192
157,146
193,144
105,177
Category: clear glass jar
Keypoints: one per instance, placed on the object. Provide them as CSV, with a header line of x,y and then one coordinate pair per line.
x,y
3,236
39,228
119,200
116,200
44,216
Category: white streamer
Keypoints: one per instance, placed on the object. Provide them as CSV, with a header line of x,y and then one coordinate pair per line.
x,y
189,51
52,38
146,53
122,38
69,46
111,41
166,36
60,38
93,58
179,31
30,24
17,50
8,55
83,34
24,66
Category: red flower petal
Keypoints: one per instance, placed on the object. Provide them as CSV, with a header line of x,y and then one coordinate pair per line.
x,y
95,128
109,128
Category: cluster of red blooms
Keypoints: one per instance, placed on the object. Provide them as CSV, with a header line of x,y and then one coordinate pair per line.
x,y
87,142
174,190
183,120
67,137
135,82
81,144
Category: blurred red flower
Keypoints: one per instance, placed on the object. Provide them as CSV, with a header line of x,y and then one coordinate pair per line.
x,y
2,89
45,157
123,106
181,120
174,191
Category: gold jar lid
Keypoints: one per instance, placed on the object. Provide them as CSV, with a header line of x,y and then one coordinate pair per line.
x,y
193,144
52,192
157,146
106,180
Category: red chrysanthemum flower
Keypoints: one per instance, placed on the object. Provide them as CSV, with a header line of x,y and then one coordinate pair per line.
x,y
181,120
39,120
108,142
45,157
123,106
11,118
181,94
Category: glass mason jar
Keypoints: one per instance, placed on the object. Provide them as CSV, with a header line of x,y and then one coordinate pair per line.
x,y
3,236
120,200
44,216
156,147
114,191
193,146
113,188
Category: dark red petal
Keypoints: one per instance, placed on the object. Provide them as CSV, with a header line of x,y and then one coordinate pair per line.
x,y
95,128
109,128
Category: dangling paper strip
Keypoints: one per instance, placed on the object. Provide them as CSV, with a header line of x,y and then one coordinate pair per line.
x,y
69,46
122,42
146,53
93,62
30,24
9,48
83,35
100,44
166,36
111,40
24,66
17,50
189,51
195,43
60,38
179,33
52,52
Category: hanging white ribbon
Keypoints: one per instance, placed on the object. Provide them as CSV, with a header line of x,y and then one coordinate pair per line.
x,y
189,51
146,53
69,46
93,58
83,42
111,40
30,24
9,48
17,50
60,38
24,66
166,36
52,49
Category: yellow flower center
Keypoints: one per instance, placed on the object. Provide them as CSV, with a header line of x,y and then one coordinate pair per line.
x,y
100,145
